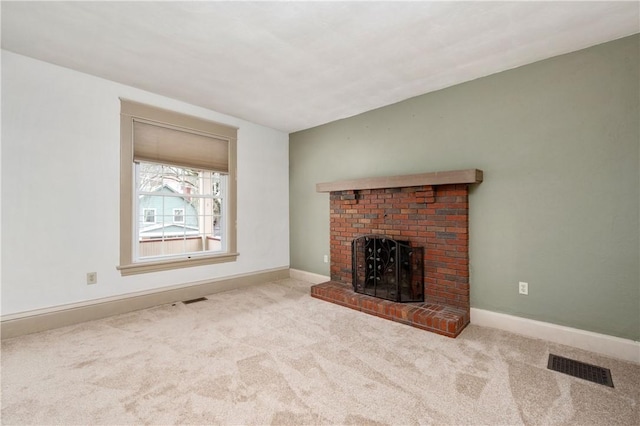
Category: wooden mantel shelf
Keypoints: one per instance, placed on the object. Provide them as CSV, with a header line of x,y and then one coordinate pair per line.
x,y
433,178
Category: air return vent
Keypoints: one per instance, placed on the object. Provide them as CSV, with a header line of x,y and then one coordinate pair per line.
x,y
199,299
581,370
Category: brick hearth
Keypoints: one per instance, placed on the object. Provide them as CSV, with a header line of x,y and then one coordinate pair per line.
x,y
429,210
442,319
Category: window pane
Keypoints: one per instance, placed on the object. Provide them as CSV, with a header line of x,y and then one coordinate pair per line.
x,y
152,177
214,219
150,208
180,210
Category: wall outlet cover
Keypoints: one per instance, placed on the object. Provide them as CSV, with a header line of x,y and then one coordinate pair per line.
x,y
523,288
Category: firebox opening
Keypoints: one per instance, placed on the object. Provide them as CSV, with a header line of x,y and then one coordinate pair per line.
x,y
387,268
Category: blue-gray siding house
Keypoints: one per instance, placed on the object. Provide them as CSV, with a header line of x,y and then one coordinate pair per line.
x,y
165,215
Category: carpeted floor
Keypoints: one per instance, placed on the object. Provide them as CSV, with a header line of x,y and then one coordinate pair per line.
x,y
271,354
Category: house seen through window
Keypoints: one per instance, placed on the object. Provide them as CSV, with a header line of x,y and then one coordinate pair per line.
x,y
181,210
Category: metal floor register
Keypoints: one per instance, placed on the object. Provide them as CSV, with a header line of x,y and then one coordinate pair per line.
x,y
581,370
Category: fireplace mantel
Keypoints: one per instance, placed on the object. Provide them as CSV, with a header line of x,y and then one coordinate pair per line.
x,y
433,178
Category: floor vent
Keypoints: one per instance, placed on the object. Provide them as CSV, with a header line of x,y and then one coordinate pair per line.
x,y
199,299
581,370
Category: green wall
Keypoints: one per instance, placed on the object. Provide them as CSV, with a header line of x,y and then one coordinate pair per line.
x,y
559,206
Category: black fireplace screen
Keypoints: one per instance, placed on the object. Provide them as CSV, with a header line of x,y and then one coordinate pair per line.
x,y
387,269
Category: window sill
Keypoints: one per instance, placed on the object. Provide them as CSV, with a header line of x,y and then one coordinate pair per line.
x,y
169,264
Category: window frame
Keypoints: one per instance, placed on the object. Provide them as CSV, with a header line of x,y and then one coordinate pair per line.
x,y
130,111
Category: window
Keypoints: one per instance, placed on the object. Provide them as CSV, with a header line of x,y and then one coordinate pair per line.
x,y
149,215
191,203
178,215
178,190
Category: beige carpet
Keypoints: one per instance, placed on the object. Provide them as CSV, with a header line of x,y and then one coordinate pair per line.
x,y
271,354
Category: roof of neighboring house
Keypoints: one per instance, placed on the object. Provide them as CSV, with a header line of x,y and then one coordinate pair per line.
x,y
168,230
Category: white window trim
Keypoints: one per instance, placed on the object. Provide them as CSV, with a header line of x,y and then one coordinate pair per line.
x,y
133,110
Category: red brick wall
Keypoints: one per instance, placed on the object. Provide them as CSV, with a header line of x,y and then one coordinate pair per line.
x,y
433,217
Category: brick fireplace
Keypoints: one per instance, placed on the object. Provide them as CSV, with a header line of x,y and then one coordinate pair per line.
x,y
429,210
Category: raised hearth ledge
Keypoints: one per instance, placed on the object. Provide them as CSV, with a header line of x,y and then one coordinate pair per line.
x,y
433,178
446,320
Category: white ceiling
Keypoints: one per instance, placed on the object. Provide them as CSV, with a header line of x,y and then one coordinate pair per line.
x,y
296,65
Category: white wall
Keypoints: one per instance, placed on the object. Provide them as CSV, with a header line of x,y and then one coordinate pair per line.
x,y
60,189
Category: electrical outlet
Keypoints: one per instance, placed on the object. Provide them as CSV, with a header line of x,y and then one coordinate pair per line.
x,y
92,278
523,288
326,259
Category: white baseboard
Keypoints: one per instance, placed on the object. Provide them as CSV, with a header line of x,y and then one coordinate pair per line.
x,y
308,276
59,316
614,347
